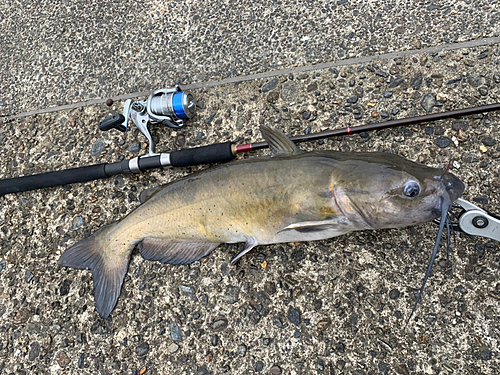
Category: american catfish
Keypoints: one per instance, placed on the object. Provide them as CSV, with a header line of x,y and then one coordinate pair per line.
x,y
288,197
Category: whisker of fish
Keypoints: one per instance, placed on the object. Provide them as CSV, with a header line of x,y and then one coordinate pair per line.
x,y
448,239
445,206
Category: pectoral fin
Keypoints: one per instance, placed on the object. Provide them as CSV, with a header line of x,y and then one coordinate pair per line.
x,y
249,245
175,252
311,226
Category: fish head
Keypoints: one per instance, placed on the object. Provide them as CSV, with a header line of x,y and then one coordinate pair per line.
x,y
381,190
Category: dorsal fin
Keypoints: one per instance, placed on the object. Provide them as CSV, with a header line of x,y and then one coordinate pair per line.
x,y
279,143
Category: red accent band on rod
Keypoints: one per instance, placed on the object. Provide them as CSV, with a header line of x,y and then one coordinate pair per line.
x,y
244,148
348,130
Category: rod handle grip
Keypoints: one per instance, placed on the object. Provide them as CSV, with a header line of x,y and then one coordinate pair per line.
x,y
52,179
216,153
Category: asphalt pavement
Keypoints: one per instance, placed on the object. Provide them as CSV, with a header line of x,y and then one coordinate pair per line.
x,y
337,306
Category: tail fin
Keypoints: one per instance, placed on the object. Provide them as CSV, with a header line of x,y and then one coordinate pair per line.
x,y
108,272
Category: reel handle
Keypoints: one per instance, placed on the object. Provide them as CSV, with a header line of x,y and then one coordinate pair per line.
x,y
113,122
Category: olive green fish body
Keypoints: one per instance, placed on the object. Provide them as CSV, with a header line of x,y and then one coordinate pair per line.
x,y
292,196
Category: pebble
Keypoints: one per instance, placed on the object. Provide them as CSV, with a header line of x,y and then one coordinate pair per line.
x,y
134,148
188,291
215,340
454,80
483,353
429,130
277,322
34,351
387,94
353,99
219,325
232,294
175,332
306,115
142,349
394,294
475,80
81,360
482,55
469,62
259,366
396,82
98,147
270,85
460,125
172,348
273,97
488,141
64,288
109,102
200,104
28,276
443,142
204,371
313,86
483,90
416,82
438,130
334,71
275,370
81,339
293,315
62,359
483,199
383,368
242,350
381,73
429,101
209,119
77,222
289,91
298,255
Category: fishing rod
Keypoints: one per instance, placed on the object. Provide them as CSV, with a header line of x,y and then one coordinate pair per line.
x,y
171,107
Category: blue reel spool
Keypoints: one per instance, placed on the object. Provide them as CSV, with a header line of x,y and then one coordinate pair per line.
x,y
180,103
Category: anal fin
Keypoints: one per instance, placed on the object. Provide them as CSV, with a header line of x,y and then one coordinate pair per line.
x,y
249,245
175,252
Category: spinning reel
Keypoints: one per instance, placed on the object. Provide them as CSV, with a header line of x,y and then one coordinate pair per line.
x,y
166,106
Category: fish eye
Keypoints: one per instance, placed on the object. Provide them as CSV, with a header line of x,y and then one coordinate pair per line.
x,y
411,189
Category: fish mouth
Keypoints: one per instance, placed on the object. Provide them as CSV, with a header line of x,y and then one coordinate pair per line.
x,y
453,185
454,188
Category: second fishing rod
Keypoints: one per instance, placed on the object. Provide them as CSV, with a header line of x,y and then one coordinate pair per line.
x,y
171,107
